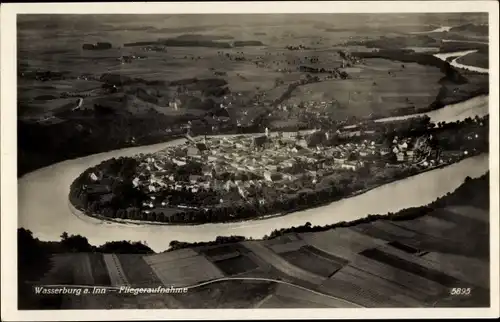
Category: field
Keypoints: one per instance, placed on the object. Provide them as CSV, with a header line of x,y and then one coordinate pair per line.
x,y
40,108
137,271
287,296
273,301
350,288
115,270
282,264
231,259
372,89
449,240
472,270
99,270
382,271
221,252
401,263
257,71
470,212
412,263
236,265
475,59
311,262
81,269
61,269
422,289
425,262
412,267
182,268
291,246
226,294
381,284
343,243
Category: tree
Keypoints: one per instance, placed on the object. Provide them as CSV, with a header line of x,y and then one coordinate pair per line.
x,y
152,216
125,247
76,244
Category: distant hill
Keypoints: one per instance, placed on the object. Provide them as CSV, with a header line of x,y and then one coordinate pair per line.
x,y
197,41
203,37
248,43
391,43
97,46
174,42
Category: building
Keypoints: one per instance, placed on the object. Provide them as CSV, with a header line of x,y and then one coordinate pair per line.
x,y
403,146
407,156
349,166
201,147
194,178
197,149
410,155
384,151
339,160
193,151
260,142
302,143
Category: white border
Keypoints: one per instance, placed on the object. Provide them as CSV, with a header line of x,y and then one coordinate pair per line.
x,y
9,174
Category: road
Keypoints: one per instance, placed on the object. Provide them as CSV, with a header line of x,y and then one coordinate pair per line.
x,y
80,103
348,303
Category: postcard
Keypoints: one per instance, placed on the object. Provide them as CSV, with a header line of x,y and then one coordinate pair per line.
x,y
249,160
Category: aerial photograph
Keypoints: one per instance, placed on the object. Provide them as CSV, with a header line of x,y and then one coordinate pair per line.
x,y
253,161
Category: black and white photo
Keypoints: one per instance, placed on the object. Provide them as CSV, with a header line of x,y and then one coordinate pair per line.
x,y
182,160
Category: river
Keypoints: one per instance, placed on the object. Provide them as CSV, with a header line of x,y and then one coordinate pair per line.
x,y
466,41
43,205
440,29
454,112
458,55
476,106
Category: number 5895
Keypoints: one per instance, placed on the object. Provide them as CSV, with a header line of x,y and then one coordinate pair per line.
x,y
460,291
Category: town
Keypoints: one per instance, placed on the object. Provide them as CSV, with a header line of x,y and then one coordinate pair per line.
x,y
247,164
220,178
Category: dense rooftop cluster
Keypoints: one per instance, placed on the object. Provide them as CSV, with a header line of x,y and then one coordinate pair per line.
x,y
251,167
